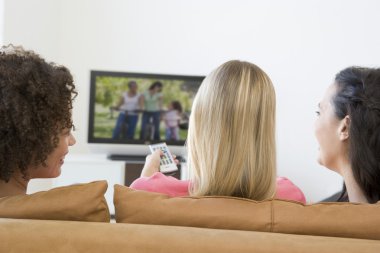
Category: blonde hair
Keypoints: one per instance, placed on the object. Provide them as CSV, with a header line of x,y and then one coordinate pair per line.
x,y
231,139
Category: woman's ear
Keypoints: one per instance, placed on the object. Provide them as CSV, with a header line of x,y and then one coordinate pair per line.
x,y
344,128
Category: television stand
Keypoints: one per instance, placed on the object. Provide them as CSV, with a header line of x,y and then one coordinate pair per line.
x,y
134,165
127,158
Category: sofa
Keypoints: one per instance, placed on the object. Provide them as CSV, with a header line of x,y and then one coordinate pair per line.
x,y
76,219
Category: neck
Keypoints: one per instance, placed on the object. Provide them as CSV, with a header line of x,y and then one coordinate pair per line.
x,y
355,193
15,186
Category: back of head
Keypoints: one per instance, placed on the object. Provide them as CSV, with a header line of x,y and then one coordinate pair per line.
x,y
358,96
35,105
231,139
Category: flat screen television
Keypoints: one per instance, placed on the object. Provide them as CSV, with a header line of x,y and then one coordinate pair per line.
x,y
129,111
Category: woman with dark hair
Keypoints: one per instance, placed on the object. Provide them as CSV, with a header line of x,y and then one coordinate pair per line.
x,y
35,118
348,132
151,103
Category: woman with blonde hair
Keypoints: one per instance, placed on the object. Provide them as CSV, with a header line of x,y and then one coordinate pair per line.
x,y
231,148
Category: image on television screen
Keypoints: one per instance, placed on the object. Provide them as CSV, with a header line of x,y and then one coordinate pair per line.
x,y
140,107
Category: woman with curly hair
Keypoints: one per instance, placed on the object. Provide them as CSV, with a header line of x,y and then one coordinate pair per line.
x,y
35,118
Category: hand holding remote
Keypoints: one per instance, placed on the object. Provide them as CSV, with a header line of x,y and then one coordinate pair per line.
x,y
168,163
152,164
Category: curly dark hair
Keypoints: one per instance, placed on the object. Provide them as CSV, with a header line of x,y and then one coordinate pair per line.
x,y
358,95
35,106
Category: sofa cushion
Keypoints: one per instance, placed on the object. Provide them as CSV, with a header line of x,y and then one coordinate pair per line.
x,y
141,207
282,216
342,219
80,202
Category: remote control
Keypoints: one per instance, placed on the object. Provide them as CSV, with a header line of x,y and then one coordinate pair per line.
x,y
167,163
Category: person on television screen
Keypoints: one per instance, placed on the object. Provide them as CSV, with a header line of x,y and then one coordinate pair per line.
x,y
172,118
231,148
35,118
128,106
151,104
348,132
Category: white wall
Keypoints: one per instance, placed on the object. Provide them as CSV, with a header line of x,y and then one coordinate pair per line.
x,y
1,20
300,44
33,24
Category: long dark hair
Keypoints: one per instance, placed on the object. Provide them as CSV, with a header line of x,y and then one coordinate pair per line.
x,y
358,96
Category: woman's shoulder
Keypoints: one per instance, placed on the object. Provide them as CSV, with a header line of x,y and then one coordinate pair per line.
x,y
161,183
286,189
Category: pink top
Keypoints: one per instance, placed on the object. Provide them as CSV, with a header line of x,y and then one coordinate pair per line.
x,y
173,187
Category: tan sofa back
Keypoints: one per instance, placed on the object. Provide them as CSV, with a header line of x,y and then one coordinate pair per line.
x,y
281,216
73,236
327,219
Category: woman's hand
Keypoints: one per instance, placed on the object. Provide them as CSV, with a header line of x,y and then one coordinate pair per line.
x,y
152,164
175,159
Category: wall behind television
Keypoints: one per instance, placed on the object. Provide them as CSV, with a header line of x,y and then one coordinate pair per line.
x,y
300,44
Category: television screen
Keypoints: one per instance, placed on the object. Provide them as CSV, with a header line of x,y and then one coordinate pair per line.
x,y
140,108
